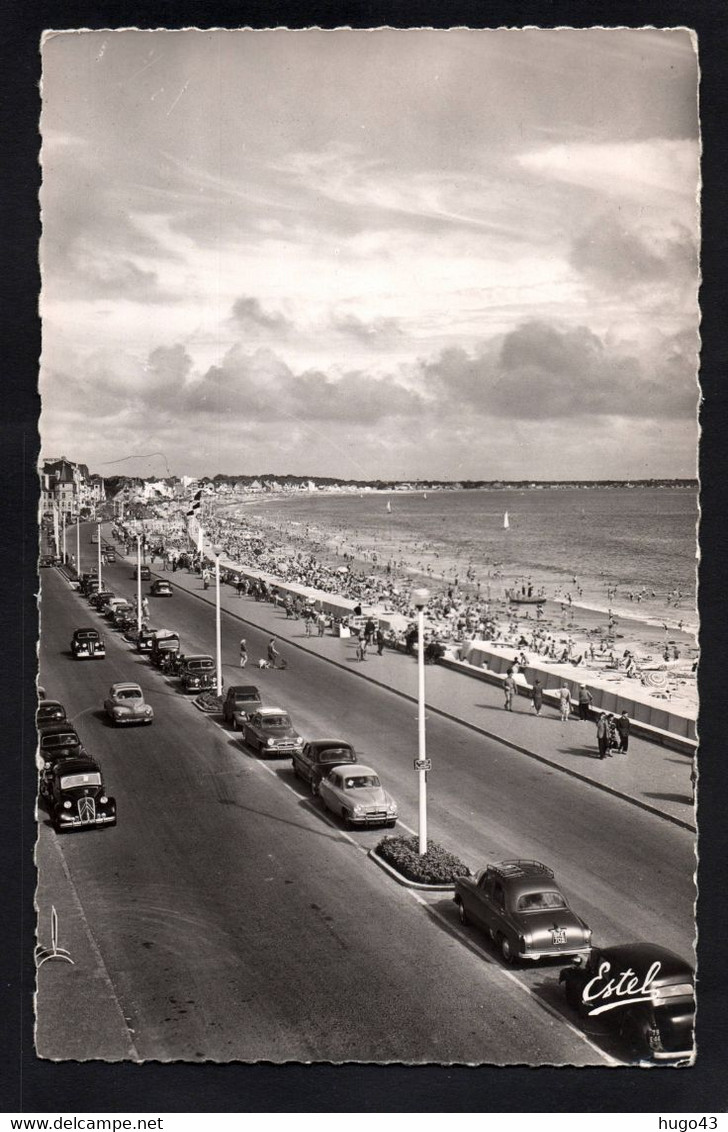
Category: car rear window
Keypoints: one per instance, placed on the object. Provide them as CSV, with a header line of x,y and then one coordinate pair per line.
x,y
68,781
540,902
48,742
275,721
336,755
246,698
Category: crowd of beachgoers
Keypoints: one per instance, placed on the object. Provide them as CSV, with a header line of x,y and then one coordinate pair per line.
x,y
459,609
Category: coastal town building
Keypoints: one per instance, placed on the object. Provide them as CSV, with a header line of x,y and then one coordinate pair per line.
x,y
67,487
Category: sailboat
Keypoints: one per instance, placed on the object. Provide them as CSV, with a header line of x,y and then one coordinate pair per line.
x,y
389,508
506,524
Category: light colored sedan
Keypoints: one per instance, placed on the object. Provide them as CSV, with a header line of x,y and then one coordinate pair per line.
x,y
126,704
355,794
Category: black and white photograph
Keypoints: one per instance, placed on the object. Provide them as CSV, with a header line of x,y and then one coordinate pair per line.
x,y
368,526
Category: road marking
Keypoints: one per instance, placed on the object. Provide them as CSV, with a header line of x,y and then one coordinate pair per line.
x,y
133,1052
422,901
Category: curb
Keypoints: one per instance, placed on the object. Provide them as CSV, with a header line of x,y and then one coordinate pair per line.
x,y
403,880
646,806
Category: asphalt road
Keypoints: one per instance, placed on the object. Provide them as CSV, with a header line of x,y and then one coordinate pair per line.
x,y
227,918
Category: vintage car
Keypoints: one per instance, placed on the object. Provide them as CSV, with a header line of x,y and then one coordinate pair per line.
x,y
198,673
49,711
99,598
45,561
123,616
241,700
88,643
355,794
86,580
164,642
144,573
126,704
269,731
314,761
161,588
92,586
58,736
75,797
109,607
110,554
641,990
145,638
520,906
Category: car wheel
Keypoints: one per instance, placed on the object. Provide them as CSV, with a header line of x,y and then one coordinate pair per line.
x,y
633,1038
314,787
391,824
346,819
505,949
236,726
462,913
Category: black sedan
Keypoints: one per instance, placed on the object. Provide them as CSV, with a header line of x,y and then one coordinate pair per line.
x,y
161,588
75,796
144,573
314,760
641,990
49,711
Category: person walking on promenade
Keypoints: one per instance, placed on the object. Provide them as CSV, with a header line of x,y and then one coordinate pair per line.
x,y
380,641
623,729
239,585
308,617
243,652
612,739
602,735
369,630
509,690
585,699
273,653
145,607
321,623
565,702
361,647
537,695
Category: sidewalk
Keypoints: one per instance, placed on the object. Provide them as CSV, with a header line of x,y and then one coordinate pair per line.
x,y
650,776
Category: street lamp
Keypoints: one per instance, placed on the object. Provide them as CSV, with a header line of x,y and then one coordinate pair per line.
x,y
420,599
217,551
98,529
139,582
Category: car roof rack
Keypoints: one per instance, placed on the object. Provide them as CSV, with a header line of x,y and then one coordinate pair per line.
x,y
520,868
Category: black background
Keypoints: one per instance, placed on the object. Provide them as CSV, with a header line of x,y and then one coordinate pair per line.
x,y
32,1085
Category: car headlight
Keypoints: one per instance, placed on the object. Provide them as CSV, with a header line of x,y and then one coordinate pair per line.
x,y
359,811
270,742
66,805
103,800
147,710
299,741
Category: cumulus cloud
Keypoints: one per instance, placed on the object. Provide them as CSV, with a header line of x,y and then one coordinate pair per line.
x,y
619,252
543,372
250,316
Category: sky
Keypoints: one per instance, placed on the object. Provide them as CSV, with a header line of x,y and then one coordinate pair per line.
x,y
371,254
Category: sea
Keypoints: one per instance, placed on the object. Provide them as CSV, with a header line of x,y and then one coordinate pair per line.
x,y
637,539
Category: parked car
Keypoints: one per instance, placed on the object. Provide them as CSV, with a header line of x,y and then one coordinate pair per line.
x,y
109,607
58,736
123,616
241,700
49,711
76,798
643,991
161,588
45,561
88,643
145,638
314,761
110,554
86,580
523,910
126,704
144,573
164,641
198,673
92,586
355,794
99,598
269,731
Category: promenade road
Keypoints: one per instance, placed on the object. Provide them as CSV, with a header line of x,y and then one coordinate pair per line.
x,y
225,877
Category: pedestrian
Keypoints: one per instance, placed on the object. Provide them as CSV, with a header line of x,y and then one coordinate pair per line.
x,y
623,729
565,702
602,735
243,652
273,653
308,615
145,607
361,648
239,585
509,690
537,695
369,630
321,623
612,739
380,641
585,699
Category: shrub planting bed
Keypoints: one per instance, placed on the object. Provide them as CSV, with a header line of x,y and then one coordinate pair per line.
x,y
436,866
208,702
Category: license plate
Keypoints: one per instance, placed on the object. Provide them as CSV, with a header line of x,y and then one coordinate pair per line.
x,y
558,935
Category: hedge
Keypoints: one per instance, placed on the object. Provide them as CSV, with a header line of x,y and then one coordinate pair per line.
x,y
436,866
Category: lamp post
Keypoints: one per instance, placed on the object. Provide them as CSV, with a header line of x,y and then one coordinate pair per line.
x,y
63,535
139,583
98,529
78,539
217,551
420,599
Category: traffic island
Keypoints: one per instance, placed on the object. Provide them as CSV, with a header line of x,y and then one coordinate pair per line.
x,y
434,871
209,703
